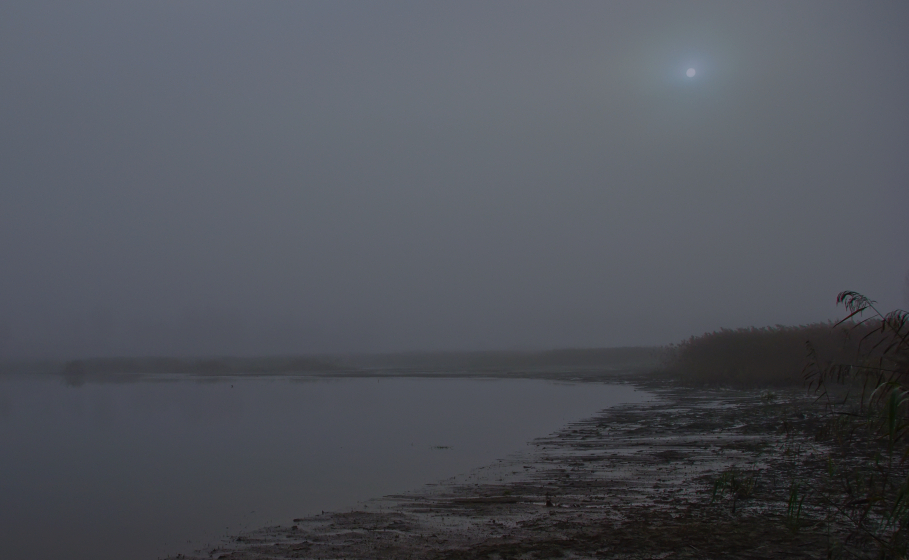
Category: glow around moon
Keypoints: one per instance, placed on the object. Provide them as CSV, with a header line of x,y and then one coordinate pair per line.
x,y
690,73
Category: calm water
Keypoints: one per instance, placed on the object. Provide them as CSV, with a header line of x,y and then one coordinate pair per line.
x,y
145,469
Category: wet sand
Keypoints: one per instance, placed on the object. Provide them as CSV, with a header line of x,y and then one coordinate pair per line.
x,y
635,481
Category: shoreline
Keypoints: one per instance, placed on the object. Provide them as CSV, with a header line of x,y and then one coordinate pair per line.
x,y
633,481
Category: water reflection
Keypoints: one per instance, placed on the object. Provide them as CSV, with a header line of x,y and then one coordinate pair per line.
x,y
139,470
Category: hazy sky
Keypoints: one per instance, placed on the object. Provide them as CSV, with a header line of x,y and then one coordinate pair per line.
x,y
257,177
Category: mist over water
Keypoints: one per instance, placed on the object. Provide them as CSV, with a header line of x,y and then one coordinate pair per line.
x,y
107,471
215,178
199,182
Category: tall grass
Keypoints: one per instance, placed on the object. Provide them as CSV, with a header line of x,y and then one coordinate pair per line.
x,y
859,370
753,357
870,490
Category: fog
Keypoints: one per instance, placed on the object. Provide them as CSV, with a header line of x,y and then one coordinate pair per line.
x,y
198,178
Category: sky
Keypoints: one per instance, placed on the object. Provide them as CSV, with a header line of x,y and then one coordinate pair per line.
x,y
237,178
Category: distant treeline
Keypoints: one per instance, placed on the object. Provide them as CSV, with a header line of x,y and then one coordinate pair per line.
x,y
196,366
631,357
761,356
77,371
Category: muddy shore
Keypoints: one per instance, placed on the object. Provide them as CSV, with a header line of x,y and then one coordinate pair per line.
x,y
635,481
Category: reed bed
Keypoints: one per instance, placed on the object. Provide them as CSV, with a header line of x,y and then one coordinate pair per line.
x,y
757,357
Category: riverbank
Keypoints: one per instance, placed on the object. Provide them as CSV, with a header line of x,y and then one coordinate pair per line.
x,y
693,473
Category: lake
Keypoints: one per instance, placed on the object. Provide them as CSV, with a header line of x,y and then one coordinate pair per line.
x,y
144,469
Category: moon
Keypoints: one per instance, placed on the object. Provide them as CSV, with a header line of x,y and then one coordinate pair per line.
x,y
690,73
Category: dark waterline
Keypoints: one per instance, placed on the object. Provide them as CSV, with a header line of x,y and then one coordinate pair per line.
x,y
141,470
